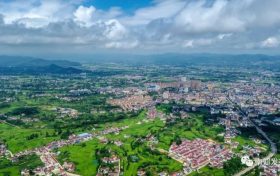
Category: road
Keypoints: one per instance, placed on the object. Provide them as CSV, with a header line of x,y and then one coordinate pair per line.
x,y
49,160
246,170
11,154
268,157
260,131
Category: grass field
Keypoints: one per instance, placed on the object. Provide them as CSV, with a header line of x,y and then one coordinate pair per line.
x,y
147,159
246,141
7,168
83,156
207,171
152,161
83,105
85,159
188,129
10,171
16,138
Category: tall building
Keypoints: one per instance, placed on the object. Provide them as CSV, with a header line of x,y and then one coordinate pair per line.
x,y
165,95
184,79
195,85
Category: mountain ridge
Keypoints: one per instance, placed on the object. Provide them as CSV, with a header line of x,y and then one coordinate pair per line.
x,y
20,61
29,65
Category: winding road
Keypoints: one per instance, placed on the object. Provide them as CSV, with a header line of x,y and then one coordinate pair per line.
x,y
260,131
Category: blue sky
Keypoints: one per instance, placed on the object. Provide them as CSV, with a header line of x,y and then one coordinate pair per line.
x,y
128,6
85,27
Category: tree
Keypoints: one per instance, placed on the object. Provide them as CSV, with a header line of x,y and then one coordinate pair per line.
x,y
178,140
232,166
47,134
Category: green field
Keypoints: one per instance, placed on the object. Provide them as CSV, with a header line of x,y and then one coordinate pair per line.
x,y
208,171
83,156
244,140
16,138
152,161
135,145
190,128
7,168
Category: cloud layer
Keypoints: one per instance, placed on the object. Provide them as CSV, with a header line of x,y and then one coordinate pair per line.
x,y
166,25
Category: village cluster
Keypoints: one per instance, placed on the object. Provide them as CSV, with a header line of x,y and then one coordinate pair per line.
x,y
199,153
48,157
235,104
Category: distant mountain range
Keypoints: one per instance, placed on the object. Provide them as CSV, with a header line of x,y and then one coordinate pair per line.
x,y
29,65
17,61
204,59
180,58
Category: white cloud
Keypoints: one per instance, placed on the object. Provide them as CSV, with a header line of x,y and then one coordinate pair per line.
x,y
223,36
196,17
166,24
122,45
198,42
188,44
161,9
114,30
271,42
35,14
84,15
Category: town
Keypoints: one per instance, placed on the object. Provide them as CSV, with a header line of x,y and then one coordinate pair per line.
x,y
133,124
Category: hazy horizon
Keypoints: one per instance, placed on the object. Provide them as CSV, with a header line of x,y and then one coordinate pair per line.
x,y
131,56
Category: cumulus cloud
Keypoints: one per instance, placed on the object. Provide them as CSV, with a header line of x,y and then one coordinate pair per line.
x,y
122,45
271,42
195,17
36,13
164,24
161,9
114,30
84,15
199,42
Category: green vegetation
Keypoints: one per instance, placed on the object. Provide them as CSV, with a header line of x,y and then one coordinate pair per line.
x,y
232,166
83,156
7,168
273,133
244,139
35,110
18,139
135,152
189,128
166,108
28,111
208,171
255,172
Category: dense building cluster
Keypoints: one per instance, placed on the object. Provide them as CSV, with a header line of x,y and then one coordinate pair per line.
x,y
48,157
198,153
109,166
209,119
135,102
